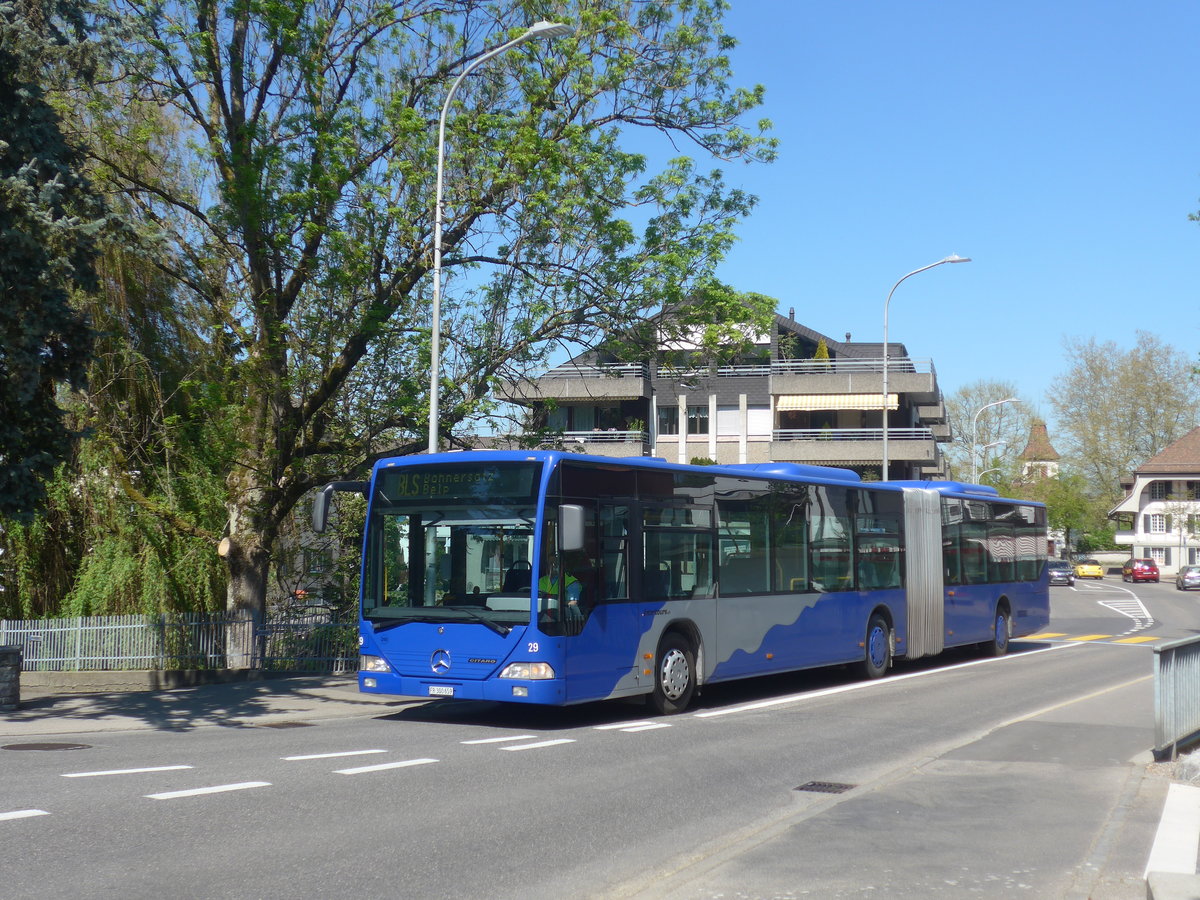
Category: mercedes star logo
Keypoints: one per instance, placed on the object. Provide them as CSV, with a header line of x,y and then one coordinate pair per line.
x,y
440,662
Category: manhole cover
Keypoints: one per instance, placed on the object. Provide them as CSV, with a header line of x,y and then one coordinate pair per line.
x,y
825,787
46,747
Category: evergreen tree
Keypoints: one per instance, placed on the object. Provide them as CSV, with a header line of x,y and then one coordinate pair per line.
x,y
49,219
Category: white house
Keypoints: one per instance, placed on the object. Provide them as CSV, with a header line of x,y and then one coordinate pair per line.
x,y
1160,516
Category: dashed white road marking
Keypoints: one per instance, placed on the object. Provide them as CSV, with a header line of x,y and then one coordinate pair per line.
x,y
382,766
540,744
649,726
501,740
124,771
22,814
331,755
215,789
621,726
1178,835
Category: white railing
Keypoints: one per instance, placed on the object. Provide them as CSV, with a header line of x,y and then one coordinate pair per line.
x,y
844,365
616,370
850,365
107,643
596,436
851,434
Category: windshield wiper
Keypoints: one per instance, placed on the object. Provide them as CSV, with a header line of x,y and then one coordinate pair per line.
x,y
501,630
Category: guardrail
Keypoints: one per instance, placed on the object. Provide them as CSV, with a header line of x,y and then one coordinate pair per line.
x,y
1176,696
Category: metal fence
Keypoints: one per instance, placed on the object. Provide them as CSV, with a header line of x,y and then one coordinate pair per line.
x,y
1176,696
312,643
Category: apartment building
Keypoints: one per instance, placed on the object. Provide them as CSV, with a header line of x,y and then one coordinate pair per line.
x,y
793,395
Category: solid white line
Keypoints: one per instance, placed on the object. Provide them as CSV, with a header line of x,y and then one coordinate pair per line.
x,y
218,789
382,766
540,744
861,685
331,755
501,740
23,814
124,771
1178,834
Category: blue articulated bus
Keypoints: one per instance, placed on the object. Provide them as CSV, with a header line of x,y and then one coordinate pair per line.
x,y
560,578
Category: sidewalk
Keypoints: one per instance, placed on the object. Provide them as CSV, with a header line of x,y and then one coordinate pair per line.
x,y
45,710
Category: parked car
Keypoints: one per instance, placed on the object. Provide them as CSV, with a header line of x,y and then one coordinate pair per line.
x,y
1187,578
1088,568
1139,570
1061,571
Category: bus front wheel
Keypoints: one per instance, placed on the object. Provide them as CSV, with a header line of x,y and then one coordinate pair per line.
x,y
674,675
878,646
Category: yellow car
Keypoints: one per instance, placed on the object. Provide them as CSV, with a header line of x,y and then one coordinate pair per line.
x,y
1088,568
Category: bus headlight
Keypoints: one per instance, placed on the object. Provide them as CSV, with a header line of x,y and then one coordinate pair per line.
x,y
372,664
528,671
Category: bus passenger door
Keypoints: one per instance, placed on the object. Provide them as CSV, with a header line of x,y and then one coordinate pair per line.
x,y
601,653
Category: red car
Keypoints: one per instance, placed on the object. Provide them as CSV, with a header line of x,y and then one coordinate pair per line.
x,y
1139,570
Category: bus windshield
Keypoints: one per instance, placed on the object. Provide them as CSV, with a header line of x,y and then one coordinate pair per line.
x,y
442,549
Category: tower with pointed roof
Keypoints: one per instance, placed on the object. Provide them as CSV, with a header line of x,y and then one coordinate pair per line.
x,y
1039,459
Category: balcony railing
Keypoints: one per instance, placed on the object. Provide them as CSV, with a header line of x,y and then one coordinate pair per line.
x,y
775,367
596,436
615,370
852,434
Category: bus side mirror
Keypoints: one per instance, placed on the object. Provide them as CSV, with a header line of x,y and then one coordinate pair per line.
x,y
320,511
570,526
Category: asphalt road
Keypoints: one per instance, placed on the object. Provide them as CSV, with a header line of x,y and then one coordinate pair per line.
x,y
1022,776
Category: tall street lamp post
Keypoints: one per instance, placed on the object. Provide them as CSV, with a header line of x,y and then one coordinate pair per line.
x,y
974,422
537,30
952,258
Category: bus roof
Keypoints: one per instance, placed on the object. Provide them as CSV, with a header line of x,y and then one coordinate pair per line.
x,y
798,471
787,470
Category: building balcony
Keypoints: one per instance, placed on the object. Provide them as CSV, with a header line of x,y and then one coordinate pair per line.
x,y
824,446
624,381
915,378
595,442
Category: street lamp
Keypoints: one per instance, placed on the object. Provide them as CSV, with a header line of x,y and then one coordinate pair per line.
x,y
983,453
974,422
952,258
537,30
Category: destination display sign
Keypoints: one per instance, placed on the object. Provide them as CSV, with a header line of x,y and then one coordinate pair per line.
x,y
460,482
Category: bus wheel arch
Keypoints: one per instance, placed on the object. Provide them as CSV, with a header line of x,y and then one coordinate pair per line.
x,y
676,674
1002,624
879,644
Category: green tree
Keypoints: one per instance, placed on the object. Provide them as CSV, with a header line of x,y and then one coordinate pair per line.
x,y
49,219
305,231
1007,422
1117,408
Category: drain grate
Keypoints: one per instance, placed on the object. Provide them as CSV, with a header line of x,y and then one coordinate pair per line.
x,y
46,747
826,787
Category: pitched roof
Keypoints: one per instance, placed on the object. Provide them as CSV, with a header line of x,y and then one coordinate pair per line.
x,y
1181,457
1039,449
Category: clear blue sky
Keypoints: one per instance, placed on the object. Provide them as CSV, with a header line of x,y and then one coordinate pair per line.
x,y
1057,144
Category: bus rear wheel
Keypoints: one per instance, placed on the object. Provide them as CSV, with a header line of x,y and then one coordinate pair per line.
x,y
674,675
878,646
997,645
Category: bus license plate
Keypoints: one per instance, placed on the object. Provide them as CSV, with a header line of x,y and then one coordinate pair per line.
x,y
441,690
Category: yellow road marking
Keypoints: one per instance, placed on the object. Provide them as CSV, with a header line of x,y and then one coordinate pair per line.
x,y
1136,640
1040,637
1090,637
